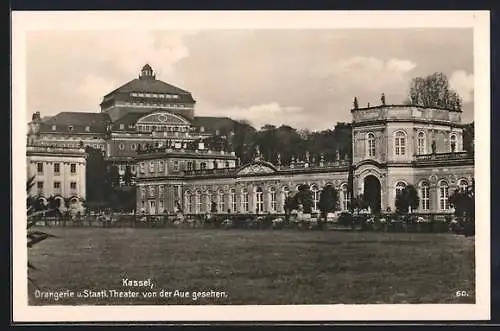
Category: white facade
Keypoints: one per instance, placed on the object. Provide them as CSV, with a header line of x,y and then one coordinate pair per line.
x,y
58,171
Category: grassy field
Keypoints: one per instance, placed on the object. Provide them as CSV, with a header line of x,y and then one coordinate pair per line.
x,y
254,267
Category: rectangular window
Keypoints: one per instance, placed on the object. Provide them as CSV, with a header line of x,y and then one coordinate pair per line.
x,y
244,202
176,165
151,190
73,168
152,207
425,197
141,168
420,146
39,185
220,208
443,198
143,192
57,168
39,168
233,202
273,201
161,189
72,185
160,166
371,148
57,185
190,165
151,166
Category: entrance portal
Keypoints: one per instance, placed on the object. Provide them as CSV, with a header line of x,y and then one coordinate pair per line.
x,y
372,193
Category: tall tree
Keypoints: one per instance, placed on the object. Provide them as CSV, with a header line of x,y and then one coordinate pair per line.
x,y
464,203
433,91
358,203
468,137
113,175
304,197
408,197
328,200
243,141
96,185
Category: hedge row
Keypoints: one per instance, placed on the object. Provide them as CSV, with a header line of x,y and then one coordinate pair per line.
x,y
357,223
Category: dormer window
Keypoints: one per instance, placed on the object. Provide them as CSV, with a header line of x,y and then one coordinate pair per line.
x,y
54,128
87,129
70,128
202,129
122,126
175,96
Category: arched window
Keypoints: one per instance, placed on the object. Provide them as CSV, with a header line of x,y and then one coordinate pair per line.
x,y
272,195
443,195
453,143
208,201
345,197
203,165
197,201
244,200
424,196
259,200
315,196
463,185
400,143
370,144
220,201
421,143
400,187
232,199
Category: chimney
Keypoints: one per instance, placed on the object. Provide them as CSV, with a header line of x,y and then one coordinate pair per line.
x,y
35,116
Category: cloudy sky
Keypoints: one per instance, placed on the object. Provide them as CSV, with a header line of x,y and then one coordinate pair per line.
x,y
303,78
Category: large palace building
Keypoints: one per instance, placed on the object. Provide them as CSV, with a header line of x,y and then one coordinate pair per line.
x,y
151,126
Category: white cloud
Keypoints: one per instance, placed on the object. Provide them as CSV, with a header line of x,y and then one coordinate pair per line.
x,y
92,87
369,77
400,65
463,84
91,64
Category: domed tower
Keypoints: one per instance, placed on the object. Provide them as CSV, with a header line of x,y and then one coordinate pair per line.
x,y
146,94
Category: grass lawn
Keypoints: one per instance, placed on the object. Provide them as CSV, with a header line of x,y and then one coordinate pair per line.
x,y
256,267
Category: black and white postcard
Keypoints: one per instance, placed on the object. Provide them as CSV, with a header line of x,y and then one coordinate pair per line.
x,y
250,166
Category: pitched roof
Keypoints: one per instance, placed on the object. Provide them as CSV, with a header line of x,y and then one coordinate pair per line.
x,y
97,122
151,85
213,123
